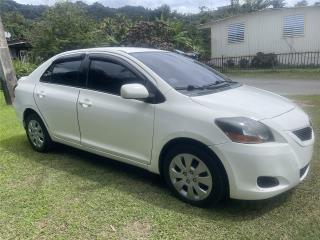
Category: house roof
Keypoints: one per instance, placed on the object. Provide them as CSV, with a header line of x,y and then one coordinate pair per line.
x,y
18,44
210,23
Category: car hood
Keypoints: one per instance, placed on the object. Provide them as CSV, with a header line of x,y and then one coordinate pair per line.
x,y
246,101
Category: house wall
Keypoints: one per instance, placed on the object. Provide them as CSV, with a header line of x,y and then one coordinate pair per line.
x,y
264,33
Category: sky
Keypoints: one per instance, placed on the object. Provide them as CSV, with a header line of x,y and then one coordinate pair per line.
x,y
182,6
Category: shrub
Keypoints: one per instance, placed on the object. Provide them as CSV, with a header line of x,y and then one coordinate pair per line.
x,y
244,63
23,69
262,60
230,63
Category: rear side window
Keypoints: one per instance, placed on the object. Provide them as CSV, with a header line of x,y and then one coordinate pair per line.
x,y
109,76
64,73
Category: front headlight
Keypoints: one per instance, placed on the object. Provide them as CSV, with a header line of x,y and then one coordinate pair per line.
x,y
245,130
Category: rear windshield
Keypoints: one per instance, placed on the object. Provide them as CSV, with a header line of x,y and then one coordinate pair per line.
x,y
179,71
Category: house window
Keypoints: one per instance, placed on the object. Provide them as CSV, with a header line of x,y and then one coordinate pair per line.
x,y
236,33
293,26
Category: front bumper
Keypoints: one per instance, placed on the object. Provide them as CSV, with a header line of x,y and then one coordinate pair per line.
x,y
244,163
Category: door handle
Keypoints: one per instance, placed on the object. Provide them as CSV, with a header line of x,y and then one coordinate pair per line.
x,y
41,94
85,103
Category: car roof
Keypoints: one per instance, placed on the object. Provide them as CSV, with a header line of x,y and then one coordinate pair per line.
x,y
130,49
114,49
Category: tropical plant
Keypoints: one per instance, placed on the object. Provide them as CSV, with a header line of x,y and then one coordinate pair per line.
x,y
23,69
74,24
16,24
264,60
278,3
63,27
255,5
113,31
150,34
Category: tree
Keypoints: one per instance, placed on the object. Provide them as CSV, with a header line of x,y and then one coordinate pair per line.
x,y
150,34
302,3
278,3
28,11
255,5
16,24
163,12
114,30
63,27
75,24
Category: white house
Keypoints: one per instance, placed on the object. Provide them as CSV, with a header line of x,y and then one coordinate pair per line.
x,y
283,30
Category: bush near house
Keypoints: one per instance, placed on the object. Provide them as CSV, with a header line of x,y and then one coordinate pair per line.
x,y
244,63
264,60
230,63
23,69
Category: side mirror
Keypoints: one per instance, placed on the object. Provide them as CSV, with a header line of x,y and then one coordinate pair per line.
x,y
134,91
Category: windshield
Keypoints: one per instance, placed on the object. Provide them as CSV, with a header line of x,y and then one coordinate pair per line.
x,y
183,73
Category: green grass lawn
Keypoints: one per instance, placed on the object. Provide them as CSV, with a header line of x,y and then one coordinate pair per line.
x,y
70,194
313,74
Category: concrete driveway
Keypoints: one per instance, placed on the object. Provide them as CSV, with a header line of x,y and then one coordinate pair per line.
x,y
284,86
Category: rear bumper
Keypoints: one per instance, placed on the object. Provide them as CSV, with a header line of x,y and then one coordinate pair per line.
x,y
244,163
18,110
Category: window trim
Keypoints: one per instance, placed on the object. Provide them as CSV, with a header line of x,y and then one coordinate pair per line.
x,y
111,59
63,59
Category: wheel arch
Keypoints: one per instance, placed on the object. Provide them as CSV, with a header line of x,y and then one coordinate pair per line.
x,y
189,141
29,111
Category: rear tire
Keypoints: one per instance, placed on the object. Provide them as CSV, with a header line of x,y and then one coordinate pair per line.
x,y
37,133
195,176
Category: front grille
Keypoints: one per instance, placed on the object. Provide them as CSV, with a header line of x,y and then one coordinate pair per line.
x,y
303,134
303,170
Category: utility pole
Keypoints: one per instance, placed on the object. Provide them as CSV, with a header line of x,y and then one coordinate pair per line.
x,y
7,76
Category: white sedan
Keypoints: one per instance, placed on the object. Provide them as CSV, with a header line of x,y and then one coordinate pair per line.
x,y
209,137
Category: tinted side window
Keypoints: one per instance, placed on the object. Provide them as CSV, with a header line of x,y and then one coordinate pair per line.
x,y
46,77
110,76
64,73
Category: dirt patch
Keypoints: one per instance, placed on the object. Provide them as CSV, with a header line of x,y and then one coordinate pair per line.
x,y
139,230
303,103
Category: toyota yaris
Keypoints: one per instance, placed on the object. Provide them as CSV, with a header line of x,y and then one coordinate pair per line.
x,y
208,136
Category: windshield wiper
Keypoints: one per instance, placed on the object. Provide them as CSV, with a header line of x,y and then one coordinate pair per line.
x,y
217,84
190,88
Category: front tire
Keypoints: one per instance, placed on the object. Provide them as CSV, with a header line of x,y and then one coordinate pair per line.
x,y
37,133
195,176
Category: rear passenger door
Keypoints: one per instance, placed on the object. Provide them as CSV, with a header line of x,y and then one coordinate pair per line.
x,y
109,123
56,96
